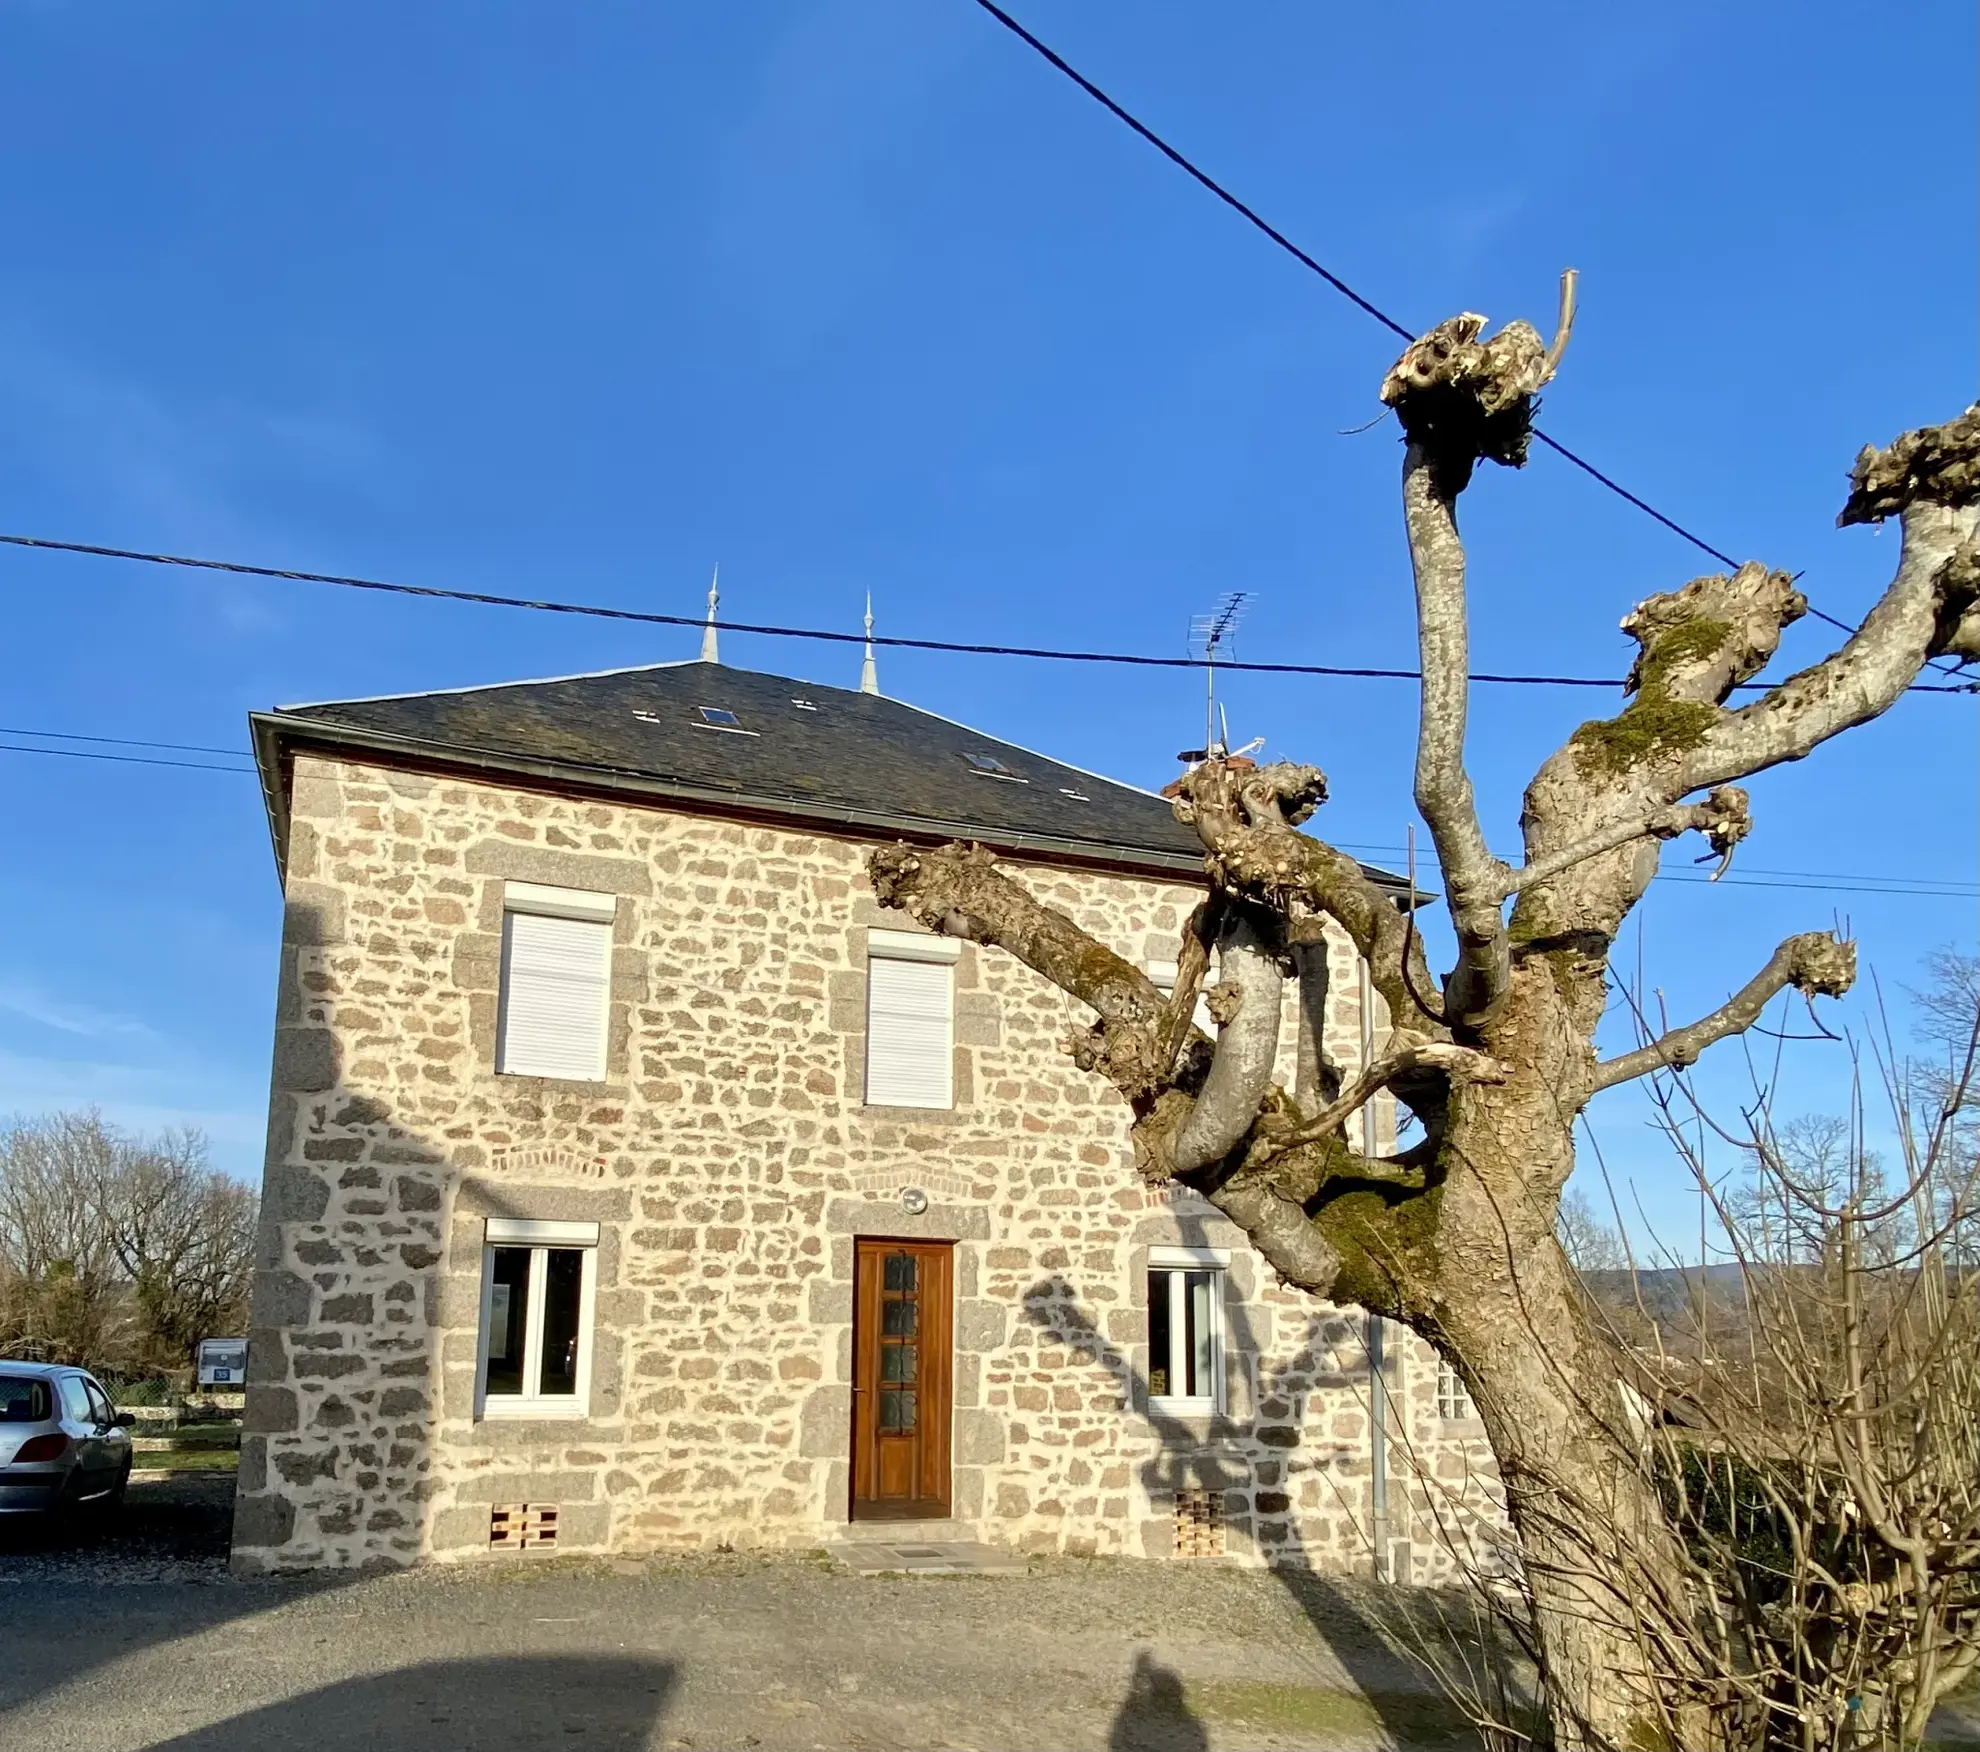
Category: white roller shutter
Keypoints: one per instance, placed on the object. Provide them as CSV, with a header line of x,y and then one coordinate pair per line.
x,y
556,989
910,1033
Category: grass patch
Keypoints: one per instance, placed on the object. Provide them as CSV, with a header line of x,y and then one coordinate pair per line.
x,y
1324,1713
190,1460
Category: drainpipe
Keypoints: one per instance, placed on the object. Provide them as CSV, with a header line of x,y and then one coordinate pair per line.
x,y
1378,1380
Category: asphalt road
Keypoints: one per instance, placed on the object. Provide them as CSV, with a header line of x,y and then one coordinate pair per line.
x,y
133,1636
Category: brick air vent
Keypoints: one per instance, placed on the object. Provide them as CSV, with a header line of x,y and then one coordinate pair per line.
x,y
1199,1523
522,1526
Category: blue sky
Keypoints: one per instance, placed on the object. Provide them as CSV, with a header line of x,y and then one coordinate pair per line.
x,y
581,300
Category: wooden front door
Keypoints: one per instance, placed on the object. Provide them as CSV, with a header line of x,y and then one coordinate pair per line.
x,y
903,1316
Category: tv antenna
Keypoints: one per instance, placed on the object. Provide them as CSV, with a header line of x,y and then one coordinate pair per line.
x,y
1209,636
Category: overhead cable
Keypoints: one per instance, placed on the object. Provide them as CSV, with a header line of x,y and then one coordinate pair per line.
x,y
652,618
1250,214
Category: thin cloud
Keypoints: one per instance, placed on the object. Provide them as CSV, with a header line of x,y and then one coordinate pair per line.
x,y
83,1020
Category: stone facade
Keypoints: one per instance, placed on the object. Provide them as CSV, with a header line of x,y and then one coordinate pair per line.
x,y
730,1163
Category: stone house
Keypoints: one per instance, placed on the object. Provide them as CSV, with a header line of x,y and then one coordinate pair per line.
x,y
635,1182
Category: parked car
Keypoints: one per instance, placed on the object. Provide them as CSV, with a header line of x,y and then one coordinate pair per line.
x,y
61,1441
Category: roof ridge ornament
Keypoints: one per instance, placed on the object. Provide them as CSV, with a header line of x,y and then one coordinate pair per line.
x,y
869,674
710,649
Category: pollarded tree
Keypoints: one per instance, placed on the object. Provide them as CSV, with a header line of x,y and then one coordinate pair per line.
x,y
1455,1235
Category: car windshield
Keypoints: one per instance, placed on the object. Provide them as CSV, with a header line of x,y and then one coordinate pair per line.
x,y
23,1399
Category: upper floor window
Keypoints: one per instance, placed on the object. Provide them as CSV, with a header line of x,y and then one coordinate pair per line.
x,y
1453,1397
538,1283
910,1019
1186,1329
556,982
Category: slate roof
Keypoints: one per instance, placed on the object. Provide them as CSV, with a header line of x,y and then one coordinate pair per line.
x,y
797,751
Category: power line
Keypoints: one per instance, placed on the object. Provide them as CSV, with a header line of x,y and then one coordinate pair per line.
x,y
1250,214
1919,887
650,618
120,741
1815,881
124,759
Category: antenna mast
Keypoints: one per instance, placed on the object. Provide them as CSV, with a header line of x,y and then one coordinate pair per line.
x,y
1208,635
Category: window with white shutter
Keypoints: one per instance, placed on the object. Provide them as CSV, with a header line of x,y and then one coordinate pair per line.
x,y
910,1020
556,982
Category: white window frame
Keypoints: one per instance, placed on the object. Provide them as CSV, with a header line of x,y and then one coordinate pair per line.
x,y
1176,1261
1454,1404
541,1238
884,945
542,901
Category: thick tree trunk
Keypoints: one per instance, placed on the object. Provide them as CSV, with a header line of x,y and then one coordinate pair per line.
x,y
1600,1558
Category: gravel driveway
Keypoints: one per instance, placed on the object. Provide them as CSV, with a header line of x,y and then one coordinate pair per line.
x,y
135,1636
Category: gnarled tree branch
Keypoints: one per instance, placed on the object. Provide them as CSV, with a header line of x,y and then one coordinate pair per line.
x,y
1247,1042
1815,963
1245,816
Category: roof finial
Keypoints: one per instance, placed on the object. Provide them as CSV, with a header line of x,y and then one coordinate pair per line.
x,y
869,676
709,652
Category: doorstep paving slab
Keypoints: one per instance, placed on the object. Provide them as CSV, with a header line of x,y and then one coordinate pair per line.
x,y
951,1558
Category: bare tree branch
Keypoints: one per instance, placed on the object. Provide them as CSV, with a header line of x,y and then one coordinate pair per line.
x,y
1474,880
1814,963
1921,615
1459,399
1245,815
1724,818
959,891
1407,1052
1200,931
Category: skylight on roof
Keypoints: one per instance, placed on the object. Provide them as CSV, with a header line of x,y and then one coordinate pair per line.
x,y
804,705
988,766
1073,791
720,718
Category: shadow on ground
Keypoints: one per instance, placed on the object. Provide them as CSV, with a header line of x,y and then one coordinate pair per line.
x,y
505,1705
1361,1637
1155,1715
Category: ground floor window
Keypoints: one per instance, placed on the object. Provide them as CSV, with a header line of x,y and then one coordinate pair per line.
x,y
1453,1397
538,1282
1186,1329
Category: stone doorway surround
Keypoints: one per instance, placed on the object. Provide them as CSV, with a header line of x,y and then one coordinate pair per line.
x,y
977,1435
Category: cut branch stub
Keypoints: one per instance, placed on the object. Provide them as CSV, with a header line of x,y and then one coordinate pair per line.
x,y
1724,818
1697,643
1461,398
1693,647
1823,966
1938,465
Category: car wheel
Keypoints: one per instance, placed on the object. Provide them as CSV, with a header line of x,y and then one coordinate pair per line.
x,y
115,1500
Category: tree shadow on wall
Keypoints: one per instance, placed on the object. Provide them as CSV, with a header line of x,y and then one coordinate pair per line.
x,y
1389,1679
517,1703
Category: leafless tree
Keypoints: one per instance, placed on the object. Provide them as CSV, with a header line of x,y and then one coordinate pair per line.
x,y
1456,1234
117,1252
183,1236
1590,1244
